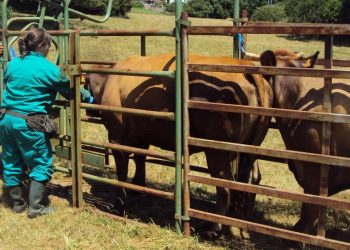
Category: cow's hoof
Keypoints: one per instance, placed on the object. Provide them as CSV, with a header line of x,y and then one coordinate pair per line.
x,y
209,235
134,194
292,245
119,207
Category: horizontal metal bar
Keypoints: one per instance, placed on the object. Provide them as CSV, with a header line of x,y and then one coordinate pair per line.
x,y
268,230
113,32
337,63
140,112
91,120
51,32
87,69
300,29
63,103
287,113
128,149
116,32
267,70
98,62
244,187
163,194
256,150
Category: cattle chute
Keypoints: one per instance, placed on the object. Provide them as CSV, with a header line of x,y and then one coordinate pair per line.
x,y
75,72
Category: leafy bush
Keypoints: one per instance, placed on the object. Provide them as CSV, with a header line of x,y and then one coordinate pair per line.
x,y
344,15
96,7
270,13
314,11
137,4
169,7
199,8
210,8
252,5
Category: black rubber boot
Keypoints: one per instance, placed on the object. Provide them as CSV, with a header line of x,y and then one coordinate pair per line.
x,y
19,205
36,198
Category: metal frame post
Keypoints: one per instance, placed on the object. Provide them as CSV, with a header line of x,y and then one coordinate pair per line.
x,y
77,192
326,135
186,126
178,120
236,42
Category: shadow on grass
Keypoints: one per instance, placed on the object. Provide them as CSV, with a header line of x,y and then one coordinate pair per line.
x,y
150,209
338,40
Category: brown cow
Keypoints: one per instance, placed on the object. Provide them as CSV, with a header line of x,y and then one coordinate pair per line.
x,y
158,94
304,93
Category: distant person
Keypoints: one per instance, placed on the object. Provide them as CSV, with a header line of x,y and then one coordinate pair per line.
x,y
12,51
32,83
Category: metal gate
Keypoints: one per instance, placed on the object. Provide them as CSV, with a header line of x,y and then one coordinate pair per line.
x,y
326,117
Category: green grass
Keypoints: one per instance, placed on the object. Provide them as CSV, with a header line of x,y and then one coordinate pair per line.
x,y
145,11
70,228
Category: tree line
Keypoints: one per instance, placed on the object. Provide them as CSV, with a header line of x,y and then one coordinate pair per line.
x,y
314,11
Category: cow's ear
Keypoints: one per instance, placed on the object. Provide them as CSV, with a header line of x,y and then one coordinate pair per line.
x,y
310,61
268,58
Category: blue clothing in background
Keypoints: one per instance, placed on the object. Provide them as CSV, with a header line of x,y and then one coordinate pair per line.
x,y
12,53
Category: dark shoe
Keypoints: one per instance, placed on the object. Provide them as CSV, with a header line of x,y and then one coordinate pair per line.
x,y
36,199
19,205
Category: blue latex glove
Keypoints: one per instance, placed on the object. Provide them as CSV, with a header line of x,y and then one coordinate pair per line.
x,y
91,99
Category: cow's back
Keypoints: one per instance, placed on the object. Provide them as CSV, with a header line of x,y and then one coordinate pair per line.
x,y
307,135
158,94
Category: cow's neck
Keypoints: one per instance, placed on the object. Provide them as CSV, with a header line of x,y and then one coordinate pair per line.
x,y
98,86
286,91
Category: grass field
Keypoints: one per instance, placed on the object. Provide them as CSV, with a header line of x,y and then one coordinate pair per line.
x,y
88,228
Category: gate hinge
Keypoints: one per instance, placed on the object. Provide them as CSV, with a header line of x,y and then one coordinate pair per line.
x,y
71,69
181,217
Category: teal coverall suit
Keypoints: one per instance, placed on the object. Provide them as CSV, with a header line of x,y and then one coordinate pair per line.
x,y
32,83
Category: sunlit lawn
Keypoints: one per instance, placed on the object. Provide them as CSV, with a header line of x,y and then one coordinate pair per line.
x,y
82,229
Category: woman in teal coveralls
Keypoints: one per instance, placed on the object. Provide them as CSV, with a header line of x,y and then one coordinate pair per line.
x,y
32,83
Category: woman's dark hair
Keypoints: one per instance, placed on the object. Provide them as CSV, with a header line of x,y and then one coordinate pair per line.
x,y
32,40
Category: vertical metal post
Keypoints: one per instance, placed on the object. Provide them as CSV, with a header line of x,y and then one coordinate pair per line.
x,y
326,134
178,119
143,45
66,53
42,6
60,62
5,53
236,42
186,125
75,122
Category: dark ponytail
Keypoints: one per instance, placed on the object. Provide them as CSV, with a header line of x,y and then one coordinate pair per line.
x,y
32,40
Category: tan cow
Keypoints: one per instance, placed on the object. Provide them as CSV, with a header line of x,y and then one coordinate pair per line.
x,y
158,94
304,93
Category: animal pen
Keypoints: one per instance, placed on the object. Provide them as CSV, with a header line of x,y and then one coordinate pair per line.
x,y
72,147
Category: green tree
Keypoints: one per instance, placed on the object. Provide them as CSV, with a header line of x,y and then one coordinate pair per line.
x,y
199,8
344,15
252,5
210,8
270,13
314,11
97,7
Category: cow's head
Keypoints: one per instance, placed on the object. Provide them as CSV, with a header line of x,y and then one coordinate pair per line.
x,y
284,58
94,83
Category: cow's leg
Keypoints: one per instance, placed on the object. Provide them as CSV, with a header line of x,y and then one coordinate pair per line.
x,y
248,172
308,177
219,165
140,172
122,161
